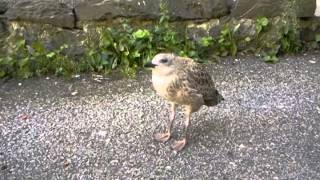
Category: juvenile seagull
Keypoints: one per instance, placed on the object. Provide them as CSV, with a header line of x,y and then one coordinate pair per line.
x,y
181,81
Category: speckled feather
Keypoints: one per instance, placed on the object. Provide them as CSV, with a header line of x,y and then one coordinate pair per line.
x,y
191,85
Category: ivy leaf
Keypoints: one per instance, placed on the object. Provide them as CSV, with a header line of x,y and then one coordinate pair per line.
x,y
141,34
136,54
206,41
264,21
51,55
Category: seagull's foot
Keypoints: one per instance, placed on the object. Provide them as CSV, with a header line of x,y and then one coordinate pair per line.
x,y
179,145
162,137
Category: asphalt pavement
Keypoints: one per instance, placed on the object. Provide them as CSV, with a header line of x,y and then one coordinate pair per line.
x,y
101,127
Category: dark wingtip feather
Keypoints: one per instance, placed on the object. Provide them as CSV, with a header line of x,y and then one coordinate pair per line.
x,y
214,101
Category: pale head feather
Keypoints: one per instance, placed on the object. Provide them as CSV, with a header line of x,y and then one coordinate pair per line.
x,y
164,63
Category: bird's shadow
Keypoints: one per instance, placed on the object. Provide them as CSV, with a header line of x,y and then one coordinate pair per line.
x,y
209,130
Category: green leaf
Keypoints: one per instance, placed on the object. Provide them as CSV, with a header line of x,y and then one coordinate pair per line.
x,y
105,62
247,39
141,34
114,64
221,40
136,54
206,41
264,21
38,47
259,29
8,61
162,19
91,52
318,37
64,46
51,55
192,53
271,58
225,31
25,73
59,71
2,73
24,62
121,47
236,28
234,49
126,53
21,43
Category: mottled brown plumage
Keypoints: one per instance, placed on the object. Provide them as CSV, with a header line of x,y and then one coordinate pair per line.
x,y
182,81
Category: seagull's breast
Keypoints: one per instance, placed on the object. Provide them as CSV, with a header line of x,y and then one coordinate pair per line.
x,y
161,84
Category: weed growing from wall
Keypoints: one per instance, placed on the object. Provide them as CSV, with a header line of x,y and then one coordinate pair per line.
x,y
24,61
128,48
290,39
282,38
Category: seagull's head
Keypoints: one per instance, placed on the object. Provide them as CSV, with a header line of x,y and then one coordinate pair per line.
x,y
161,61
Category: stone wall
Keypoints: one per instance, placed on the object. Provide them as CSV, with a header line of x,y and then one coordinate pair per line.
x,y
68,16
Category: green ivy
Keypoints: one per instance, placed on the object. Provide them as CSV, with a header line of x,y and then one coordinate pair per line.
x,y
261,24
128,48
26,61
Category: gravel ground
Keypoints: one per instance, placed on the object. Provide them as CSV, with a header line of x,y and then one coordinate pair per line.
x,y
267,128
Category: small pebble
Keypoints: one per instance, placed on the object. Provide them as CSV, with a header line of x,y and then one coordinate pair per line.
x,y
312,62
74,93
114,162
98,80
242,146
102,133
168,168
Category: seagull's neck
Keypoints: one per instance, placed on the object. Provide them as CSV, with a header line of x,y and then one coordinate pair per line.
x,y
163,72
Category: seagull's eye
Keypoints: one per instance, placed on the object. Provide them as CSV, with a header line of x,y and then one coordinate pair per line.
x,y
164,60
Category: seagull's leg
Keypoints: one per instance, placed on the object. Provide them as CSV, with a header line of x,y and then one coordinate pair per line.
x,y
163,137
180,144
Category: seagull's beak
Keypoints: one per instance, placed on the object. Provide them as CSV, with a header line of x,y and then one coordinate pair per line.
x,y
150,65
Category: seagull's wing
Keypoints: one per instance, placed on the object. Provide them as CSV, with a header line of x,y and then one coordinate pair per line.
x,y
200,80
181,90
